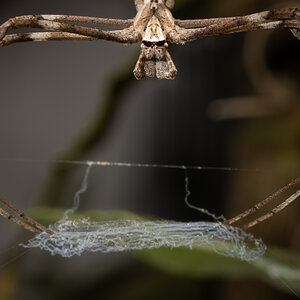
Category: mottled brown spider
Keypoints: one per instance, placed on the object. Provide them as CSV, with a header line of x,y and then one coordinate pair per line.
x,y
153,25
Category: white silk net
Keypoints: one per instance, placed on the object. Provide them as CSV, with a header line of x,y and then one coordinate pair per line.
x,y
74,237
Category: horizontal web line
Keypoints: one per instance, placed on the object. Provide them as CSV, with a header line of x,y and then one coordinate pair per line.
x,y
133,165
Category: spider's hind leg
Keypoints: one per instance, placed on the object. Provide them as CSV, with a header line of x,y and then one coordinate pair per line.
x,y
296,32
32,226
165,68
145,66
139,70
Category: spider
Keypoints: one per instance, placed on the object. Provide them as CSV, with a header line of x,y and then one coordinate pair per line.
x,y
153,26
34,227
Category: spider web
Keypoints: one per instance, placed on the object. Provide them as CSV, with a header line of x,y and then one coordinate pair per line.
x,y
74,237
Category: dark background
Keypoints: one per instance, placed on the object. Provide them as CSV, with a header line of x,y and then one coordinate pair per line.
x,y
234,103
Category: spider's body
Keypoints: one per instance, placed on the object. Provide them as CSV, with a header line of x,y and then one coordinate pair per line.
x,y
154,20
153,26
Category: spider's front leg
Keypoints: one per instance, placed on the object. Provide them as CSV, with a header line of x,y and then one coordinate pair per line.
x,y
67,31
43,37
29,224
276,18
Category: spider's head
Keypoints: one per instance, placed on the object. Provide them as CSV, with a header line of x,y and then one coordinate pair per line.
x,y
168,3
155,61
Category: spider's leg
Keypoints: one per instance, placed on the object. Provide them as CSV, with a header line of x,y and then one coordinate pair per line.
x,y
8,216
277,18
200,23
43,37
285,13
87,20
23,216
127,35
21,21
166,69
264,202
139,71
274,211
261,204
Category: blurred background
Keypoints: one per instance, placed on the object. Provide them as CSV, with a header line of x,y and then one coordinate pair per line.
x,y
234,103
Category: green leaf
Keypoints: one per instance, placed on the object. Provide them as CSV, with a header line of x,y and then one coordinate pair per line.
x,y
277,267
48,216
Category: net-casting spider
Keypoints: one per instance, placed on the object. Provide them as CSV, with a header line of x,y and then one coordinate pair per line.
x,y
153,25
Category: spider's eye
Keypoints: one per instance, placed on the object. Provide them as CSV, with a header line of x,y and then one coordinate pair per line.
x,y
148,44
160,43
